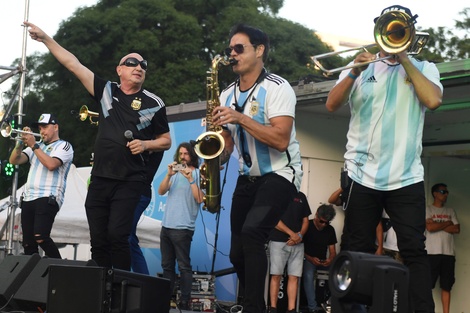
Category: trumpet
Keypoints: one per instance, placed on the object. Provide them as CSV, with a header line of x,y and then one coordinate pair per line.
x,y
84,113
394,32
7,130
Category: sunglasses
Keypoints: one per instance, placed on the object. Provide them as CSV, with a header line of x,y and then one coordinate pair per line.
x,y
133,62
238,48
323,221
444,192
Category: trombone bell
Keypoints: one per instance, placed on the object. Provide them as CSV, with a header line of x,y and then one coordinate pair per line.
x,y
394,32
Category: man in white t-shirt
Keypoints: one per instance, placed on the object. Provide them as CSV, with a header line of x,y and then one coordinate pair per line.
x,y
441,225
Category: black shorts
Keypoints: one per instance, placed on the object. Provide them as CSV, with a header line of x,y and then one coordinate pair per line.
x,y
442,267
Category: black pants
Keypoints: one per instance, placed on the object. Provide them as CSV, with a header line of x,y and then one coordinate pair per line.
x,y
257,207
407,210
37,218
110,206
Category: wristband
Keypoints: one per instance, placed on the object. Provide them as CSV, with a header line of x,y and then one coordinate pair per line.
x,y
193,182
351,75
300,235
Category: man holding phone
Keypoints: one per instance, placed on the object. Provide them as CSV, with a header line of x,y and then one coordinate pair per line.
x,y
179,218
320,250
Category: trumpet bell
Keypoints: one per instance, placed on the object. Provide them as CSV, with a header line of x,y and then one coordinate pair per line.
x,y
84,113
394,31
6,130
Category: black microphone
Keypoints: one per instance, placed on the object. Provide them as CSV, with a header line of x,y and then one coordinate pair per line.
x,y
129,136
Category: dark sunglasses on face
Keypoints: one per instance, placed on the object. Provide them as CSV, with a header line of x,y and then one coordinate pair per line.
x,y
238,48
444,192
133,62
323,221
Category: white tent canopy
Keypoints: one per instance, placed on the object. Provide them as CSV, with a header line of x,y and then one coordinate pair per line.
x,y
71,226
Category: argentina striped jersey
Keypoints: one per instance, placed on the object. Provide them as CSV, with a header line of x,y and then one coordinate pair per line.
x,y
383,150
272,97
43,182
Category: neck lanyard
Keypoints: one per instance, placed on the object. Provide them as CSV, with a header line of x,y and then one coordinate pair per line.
x,y
240,109
245,154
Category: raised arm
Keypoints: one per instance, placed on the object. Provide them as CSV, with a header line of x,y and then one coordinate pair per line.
x,y
64,57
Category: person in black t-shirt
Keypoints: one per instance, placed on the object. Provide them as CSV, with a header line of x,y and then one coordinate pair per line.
x,y
133,133
287,249
320,250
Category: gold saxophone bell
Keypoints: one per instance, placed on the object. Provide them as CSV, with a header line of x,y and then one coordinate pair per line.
x,y
394,32
84,113
209,145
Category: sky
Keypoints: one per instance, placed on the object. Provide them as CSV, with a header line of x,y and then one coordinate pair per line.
x,y
337,17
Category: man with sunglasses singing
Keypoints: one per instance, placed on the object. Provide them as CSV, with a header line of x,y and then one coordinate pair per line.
x,y
441,225
133,134
257,112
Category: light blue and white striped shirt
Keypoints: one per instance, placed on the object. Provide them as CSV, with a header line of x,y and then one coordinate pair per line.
x,y
43,182
272,97
384,145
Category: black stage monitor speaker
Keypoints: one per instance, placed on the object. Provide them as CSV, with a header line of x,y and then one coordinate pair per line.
x,y
136,293
79,289
32,294
14,270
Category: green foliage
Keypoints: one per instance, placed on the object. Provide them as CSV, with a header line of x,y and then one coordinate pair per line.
x,y
446,44
179,38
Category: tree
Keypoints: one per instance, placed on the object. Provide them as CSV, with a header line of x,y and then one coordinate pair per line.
x,y
179,38
446,44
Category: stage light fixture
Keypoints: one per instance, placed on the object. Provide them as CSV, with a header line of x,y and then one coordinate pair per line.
x,y
362,279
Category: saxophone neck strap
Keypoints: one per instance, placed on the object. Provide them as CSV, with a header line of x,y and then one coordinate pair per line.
x,y
260,78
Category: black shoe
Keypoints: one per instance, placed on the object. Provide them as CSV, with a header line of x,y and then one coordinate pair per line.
x,y
184,305
291,311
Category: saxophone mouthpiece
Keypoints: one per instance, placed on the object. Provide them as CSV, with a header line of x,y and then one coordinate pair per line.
x,y
232,61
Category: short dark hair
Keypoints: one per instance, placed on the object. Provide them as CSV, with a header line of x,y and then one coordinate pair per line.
x,y
436,188
326,212
257,37
192,154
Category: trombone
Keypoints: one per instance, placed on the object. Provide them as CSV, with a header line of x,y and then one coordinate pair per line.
x,y
7,130
394,32
84,113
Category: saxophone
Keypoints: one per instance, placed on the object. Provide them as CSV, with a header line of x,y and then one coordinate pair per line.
x,y
210,144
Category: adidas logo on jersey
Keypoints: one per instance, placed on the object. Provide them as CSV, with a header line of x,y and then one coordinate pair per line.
x,y
371,79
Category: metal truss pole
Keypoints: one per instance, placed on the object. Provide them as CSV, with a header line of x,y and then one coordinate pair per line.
x,y
14,187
